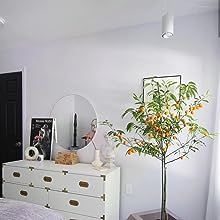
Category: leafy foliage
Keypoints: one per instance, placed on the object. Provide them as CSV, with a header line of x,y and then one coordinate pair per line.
x,y
159,123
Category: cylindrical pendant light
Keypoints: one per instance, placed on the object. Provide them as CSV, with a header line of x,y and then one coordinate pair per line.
x,y
167,26
167,21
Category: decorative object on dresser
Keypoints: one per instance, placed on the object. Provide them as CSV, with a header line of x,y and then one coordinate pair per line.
x,y
109,153
163,125
42,135
73,114
97,163
31,153
88,137
40,158
109,158
67,158
78,192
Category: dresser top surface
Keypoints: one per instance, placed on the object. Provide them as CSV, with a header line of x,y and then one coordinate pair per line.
x,y
80,168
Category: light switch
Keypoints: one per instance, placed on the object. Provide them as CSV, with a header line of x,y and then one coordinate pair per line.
x,y
128,189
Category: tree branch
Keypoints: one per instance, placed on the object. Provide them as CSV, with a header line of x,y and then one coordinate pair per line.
x,y
182,146
186,153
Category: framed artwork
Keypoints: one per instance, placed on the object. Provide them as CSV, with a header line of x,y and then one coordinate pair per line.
x,y
148,80
42,135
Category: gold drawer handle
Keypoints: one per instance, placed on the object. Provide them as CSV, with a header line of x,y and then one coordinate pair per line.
x,y
47,179
23,193
16,174
83,184
73,202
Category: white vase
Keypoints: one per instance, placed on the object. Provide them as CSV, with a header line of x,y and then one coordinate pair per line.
x,y
97,162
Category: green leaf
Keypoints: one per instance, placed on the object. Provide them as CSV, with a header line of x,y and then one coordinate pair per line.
x,y
146,85
173,97
127,111
130,126
110,133
203,131
196,148
120,131
146,130
117,145
135,97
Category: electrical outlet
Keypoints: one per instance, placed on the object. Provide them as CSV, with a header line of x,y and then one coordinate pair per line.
x,y
128,189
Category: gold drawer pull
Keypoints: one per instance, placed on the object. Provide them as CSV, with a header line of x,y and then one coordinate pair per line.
x,y
73,202
23,193
83,184
16,174
47,179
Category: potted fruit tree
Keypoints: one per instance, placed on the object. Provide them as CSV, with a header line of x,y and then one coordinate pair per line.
x,y
163,126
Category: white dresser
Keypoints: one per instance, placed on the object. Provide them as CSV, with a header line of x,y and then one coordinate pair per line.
x,y
78,191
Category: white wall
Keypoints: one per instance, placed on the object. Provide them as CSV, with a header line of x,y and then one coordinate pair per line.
x,y
107,68
213,206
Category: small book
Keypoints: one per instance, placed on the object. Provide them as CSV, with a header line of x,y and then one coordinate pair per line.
x,y
42,135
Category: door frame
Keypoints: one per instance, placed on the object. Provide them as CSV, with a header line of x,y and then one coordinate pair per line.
x,y
24,101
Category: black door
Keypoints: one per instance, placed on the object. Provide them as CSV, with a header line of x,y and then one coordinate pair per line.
x,y
10,118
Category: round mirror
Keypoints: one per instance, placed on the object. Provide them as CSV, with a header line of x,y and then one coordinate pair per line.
x,y
76,121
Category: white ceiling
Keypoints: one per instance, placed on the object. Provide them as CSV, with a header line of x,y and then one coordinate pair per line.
x,y
34,21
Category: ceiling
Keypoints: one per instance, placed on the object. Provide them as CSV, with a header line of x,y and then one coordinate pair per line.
x,y
34,21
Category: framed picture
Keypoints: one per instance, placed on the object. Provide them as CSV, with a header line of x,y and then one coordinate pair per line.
x,y
147,83
42,135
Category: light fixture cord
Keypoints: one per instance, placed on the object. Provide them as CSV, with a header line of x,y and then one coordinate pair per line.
x,y
165,8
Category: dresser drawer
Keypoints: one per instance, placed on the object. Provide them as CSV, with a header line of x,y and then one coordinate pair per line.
x,y
80,184
78,204
25,193
71,216
17,175
48,179
86,185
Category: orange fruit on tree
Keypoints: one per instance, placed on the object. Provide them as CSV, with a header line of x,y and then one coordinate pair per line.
x,y
200,105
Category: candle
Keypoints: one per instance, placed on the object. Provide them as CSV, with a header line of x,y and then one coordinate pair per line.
x,y
75,130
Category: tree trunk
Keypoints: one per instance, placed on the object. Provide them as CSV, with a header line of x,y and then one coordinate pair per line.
x,y
164,191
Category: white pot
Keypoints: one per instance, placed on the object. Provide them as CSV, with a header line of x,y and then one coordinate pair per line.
x,y
97,162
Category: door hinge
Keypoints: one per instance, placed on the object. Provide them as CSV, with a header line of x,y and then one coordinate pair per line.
x,y
104,177
103,197
103,217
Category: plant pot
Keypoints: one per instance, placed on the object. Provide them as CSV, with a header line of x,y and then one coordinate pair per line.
x,y
152,215
97,163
